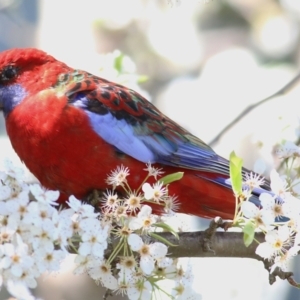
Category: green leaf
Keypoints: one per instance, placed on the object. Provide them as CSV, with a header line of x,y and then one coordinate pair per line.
x,y
163,240
167,228
118,62
236,164
171,177
249,230
142,78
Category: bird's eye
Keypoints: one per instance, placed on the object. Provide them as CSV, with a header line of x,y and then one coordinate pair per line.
x,y
8,73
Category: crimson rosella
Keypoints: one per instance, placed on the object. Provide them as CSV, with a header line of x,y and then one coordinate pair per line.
x,y
71,128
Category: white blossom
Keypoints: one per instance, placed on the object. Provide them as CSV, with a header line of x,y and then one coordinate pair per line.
x,y
133,202
277,242
118,176
127,268
81,264
48,259
184,280
272,205
282,261
19,290
143,220
261,217
16,258
12,170
278,185
182,292
148,252
5,192
152,171
288,149
140,290
253,180
94,241
82,209
44,196
110,201
100,271
155,192
19,206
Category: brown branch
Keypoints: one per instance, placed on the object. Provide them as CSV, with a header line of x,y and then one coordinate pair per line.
x,y
192,244
223,244
212,243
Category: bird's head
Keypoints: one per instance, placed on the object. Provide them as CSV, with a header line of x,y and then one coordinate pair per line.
x,y
25,71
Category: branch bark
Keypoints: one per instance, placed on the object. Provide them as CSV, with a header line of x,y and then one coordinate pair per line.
x,y
223,244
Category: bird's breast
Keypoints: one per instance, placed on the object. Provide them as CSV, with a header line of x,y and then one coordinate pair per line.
x,y
59,146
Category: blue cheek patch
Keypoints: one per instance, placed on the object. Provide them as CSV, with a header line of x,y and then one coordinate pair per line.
x,y
10,97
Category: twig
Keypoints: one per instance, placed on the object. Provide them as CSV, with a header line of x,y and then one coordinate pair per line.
x,y
288,87
280,273
4,5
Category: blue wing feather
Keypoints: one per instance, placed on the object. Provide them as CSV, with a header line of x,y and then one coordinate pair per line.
x,y
129,122
170,144
134,126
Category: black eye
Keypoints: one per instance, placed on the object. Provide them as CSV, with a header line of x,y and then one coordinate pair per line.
x,y
8,73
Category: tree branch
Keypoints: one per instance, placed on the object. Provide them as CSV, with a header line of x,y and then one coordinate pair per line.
x,y
284,90
224,244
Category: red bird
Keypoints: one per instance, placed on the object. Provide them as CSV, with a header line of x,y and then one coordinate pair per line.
x,y
72,128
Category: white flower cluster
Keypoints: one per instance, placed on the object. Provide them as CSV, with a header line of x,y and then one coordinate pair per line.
x,y
35,236
287,149
282,243
30,231
278,216
140,264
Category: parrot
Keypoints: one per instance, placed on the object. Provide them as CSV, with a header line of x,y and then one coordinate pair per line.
x,y
71,128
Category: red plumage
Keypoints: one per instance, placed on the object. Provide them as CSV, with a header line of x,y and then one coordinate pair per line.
x,y
49,110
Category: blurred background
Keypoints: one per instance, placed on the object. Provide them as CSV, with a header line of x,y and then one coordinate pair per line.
x,y
205,62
